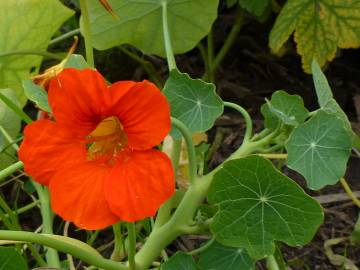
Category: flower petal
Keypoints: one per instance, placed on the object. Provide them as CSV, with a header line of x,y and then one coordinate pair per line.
x,y
143,111
46,148
79,99
139,184
77,195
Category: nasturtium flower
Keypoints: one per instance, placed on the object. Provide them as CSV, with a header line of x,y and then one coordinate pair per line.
x,y
97,156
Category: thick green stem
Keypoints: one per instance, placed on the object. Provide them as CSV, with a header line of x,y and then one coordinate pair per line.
x,y
167,40
176,154
132,245
190,148
10,170
52,256
86,33
32,52
68,246
271,263
118,252
65,36
248,121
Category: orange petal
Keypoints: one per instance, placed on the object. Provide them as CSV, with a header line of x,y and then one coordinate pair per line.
x,y
139,184
79,99
46,148
143,111
77,195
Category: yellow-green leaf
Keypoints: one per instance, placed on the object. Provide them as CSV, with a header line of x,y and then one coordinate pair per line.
x,y
320,26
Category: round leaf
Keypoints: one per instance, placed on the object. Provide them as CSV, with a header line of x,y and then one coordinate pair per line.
x,y
219,257
194,102
319,149
259,205
139,23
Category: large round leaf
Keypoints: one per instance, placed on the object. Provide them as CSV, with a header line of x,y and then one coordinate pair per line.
x,y
139,23
10,259
319,149
259,205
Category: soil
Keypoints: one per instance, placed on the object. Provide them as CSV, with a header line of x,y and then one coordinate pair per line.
x,y
247,75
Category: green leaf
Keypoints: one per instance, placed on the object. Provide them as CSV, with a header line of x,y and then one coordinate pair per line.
x,y
321,26
259,205
37,94
11,122
271,121
180,261
139,23
219,257
319,149
257,7
192,101
76,61
288,108
10,259
355,235
26,26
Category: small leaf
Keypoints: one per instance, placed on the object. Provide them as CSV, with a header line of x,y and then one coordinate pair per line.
x,y
30,24
140,24
11,122
271,121
259,205
322,87
219,257
319,149
257,7
36,94
76,61
321,26
288,108
180,261
10,259
194,102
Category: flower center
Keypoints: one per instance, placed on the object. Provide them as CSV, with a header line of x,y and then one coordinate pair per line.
x,y
107,140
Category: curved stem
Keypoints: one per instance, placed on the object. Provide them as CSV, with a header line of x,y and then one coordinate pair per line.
x,y
65,36
348,190
248,121
175,154
190,148
64,246
210,56
118,252
203,54
132,245
10,170
167,40
52,256
274,156
24,208
203,247
9,138
32,52
86,33
15,108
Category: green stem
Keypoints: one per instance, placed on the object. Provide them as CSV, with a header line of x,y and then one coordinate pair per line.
x,y
8,138
203,247
10,170
271,263
24,208
176,154
229,40
86,33
132,245
32,52
68,246
190,148
204,56
147,65
118,252
65,36
210,54
167,40
248,121
15,108
52,256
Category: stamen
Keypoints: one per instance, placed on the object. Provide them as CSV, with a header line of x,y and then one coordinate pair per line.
x,y
107,140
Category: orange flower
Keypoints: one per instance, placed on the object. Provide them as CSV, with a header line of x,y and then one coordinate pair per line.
x,y
97,156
